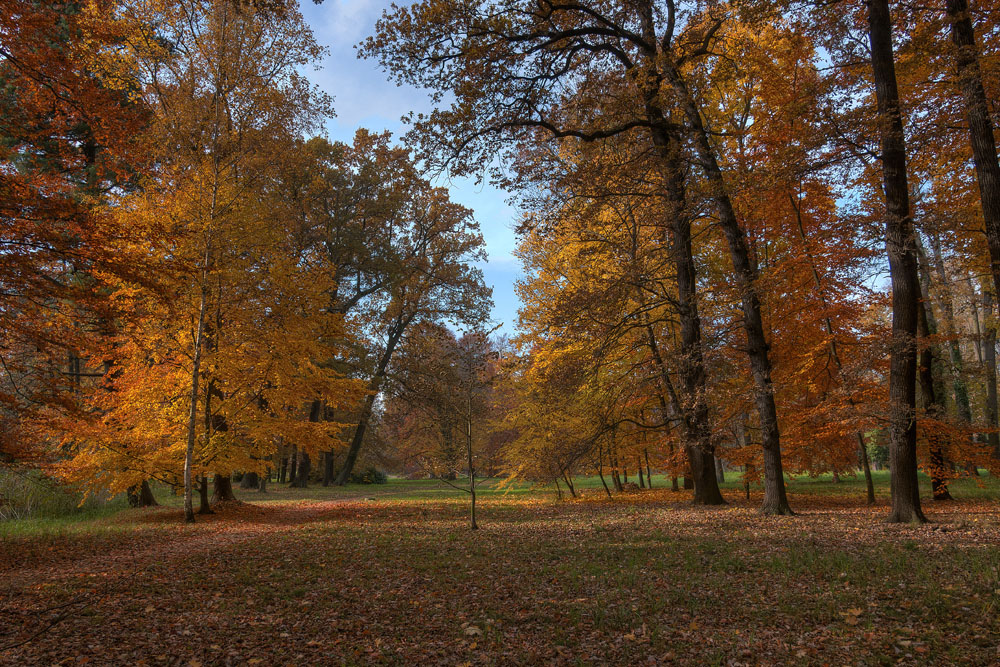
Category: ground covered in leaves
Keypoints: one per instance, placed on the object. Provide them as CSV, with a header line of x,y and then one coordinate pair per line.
x,y
395,577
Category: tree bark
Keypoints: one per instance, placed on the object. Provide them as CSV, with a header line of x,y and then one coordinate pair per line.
x,y
600,473
204,506
959,387
146,498
301,479
901,250
990,359
293,465
698,445
981,137
328,468
251,480
222,489
140,495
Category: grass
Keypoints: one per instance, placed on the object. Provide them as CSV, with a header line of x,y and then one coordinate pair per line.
x,y
58,511
390,574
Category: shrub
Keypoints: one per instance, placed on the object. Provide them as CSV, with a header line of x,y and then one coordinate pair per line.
x,y
369,476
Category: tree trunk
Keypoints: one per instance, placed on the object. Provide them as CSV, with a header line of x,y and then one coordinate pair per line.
x,y
251,480
301,478
222,489
720,471
328,468
932,406
146,498
990,358
193,412
283,469
947,309
293,465
745,270
263,482
930,376
600,473
204,507
366,410
649,470
141,495
869,483
693,410
901,251
642,482
569,484
981,137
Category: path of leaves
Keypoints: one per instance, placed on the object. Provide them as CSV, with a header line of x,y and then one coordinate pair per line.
x,y
642,579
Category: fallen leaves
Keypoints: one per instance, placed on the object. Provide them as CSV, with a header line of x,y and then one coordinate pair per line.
x,y
406,582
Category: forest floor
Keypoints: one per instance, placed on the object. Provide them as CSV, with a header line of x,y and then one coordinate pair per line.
x,y
393,575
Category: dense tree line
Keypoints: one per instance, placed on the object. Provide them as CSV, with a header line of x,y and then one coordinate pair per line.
x,y
754,235
195,282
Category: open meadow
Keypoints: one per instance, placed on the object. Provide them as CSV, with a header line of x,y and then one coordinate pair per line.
x,y
391,574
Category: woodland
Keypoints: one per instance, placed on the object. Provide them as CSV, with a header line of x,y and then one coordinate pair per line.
x,y
255,407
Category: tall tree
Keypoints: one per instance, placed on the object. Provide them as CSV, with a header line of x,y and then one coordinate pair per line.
x,y
901,251
516,71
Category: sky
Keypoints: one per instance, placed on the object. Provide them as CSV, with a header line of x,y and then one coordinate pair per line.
x,y
364,97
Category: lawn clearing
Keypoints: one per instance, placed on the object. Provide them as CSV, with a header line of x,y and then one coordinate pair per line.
x,y
392,575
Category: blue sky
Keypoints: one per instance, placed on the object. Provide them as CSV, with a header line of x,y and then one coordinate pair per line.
x,y
364,97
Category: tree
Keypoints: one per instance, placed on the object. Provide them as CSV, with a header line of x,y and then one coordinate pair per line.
x,y
516,71
399,250
237,345
901,251
70,144
437,403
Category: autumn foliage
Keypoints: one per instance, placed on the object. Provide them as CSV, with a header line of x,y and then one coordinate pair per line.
x,y
754,237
